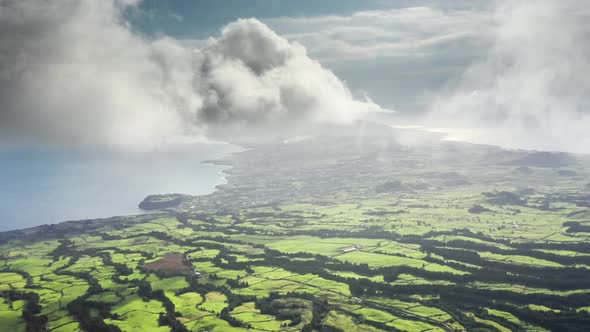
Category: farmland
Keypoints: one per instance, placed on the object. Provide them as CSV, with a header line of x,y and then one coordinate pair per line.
x,y
371,238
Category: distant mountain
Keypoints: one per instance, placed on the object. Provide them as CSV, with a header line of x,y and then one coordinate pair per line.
x,y
545,159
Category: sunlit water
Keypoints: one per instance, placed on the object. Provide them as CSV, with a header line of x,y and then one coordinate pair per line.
x,y
48,186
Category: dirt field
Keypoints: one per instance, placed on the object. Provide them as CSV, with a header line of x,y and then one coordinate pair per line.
x,y
172,262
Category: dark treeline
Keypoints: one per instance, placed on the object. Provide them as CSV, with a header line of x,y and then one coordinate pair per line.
x,y
542,277
576,227
453,295
499,272
32,309
75,228
90,314
233,300
565,278
450,298
120,268
519,250
493,271
144,290
378,233
271,306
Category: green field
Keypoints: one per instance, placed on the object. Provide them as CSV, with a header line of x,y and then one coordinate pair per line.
x,y
341,241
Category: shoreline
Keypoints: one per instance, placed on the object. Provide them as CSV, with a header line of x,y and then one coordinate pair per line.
x,y
110,196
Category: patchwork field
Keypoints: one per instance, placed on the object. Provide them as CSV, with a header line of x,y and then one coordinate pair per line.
x,y
344,239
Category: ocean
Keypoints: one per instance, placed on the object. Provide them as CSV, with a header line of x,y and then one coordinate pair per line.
x,y
47,186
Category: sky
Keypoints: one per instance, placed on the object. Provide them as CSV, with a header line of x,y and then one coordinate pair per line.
x,y
131,74
331,29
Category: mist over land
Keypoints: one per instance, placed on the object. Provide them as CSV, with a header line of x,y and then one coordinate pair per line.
x,y
531,90
356,232
386,167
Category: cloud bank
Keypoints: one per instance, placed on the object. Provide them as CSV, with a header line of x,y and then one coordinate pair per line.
x,y
396,32
75,72
532,90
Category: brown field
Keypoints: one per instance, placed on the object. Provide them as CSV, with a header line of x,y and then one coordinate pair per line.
x,y
173,262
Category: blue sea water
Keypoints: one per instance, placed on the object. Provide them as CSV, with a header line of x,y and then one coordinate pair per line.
x,y
46,186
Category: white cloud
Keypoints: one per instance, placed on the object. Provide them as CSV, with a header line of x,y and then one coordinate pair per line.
x,y
73,72
532,90
386,33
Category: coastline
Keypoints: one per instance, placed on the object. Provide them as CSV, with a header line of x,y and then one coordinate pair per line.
x,y
98,189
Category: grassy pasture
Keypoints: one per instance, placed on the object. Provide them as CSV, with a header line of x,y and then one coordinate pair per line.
x,y
381,260
106,297
9,280
408,279
268,243
138,315
346,323
64,324
490,323
248,313
212,323
417,309
214,302
503,314
388,319
11,316
167,284
346,274
267,279
203,254
186,303
516,259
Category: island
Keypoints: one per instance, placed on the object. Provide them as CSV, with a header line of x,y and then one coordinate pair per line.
x,y
331,233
